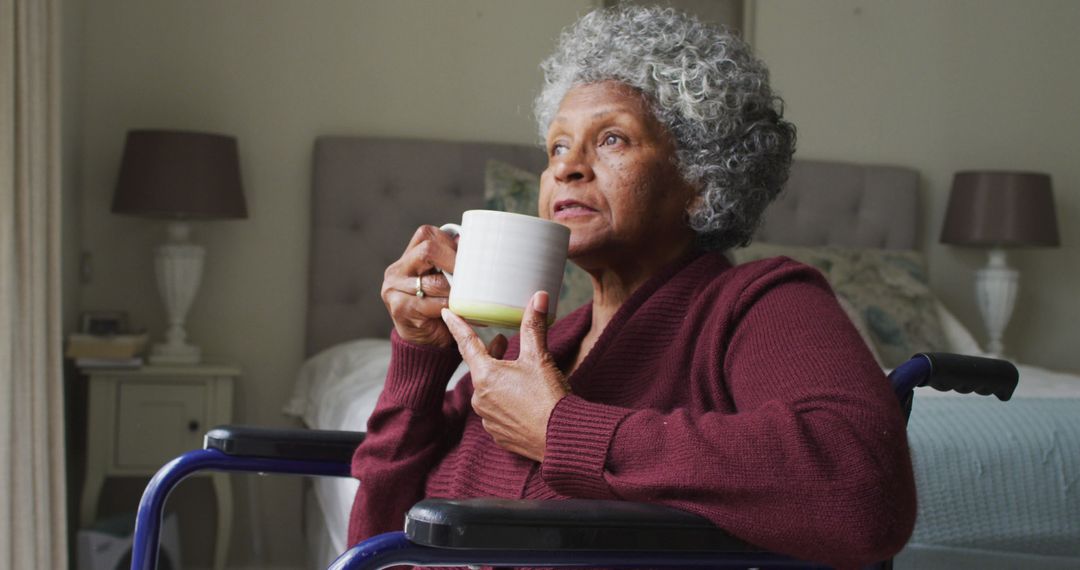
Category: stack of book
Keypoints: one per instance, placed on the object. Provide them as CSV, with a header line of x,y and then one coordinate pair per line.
x,y
107,351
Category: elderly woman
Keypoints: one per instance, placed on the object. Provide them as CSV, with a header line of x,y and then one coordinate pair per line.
x,y
741,393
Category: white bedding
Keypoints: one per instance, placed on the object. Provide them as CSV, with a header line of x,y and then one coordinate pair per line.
x,y
338,389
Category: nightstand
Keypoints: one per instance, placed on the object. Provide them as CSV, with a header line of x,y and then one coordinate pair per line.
x,y
140,419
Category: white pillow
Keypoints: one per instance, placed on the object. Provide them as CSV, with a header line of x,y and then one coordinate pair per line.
x,y
329,383
321,373
959,339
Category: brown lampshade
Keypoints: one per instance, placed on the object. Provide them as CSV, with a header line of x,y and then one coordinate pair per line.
x,y
177,174
998,209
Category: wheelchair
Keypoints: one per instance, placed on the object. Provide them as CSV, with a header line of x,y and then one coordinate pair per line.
x,y
498,532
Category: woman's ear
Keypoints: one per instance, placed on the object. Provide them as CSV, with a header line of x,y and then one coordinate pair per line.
x,y
696,199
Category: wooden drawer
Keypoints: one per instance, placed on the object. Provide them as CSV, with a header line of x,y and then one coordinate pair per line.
x,y
157,421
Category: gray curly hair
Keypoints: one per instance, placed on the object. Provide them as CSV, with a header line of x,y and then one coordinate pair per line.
x,y
706,88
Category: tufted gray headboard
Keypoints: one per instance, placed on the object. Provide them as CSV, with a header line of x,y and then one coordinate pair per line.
x,y
844,204
368,197
370,194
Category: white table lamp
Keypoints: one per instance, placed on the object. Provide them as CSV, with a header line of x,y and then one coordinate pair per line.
x,y
179,176
996,209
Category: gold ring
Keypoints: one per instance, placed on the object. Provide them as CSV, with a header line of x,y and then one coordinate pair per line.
x,y
419,288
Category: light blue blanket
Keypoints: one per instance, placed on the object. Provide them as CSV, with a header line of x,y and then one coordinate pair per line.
x,y
996,479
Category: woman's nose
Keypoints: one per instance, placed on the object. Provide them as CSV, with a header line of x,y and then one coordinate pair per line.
x,y
573,165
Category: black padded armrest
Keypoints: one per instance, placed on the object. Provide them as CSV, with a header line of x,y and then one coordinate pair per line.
x,y
564,525
296,444
966,374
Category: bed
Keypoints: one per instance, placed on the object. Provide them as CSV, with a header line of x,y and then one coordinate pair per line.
x,y
999,483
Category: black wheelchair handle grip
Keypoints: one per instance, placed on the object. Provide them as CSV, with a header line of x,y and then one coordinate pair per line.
x,y
290,444
967,374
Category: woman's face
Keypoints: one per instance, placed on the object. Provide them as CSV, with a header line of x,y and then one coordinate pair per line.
x,y
611,177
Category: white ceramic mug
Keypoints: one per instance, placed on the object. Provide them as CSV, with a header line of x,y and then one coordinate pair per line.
x,y
502,260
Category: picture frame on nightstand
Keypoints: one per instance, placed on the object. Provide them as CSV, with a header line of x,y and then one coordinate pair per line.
x,y
103,323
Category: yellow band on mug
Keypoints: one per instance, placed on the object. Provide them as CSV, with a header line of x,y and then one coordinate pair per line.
x,y
490,314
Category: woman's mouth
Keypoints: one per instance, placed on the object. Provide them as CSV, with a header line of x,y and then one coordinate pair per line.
x,y
567,209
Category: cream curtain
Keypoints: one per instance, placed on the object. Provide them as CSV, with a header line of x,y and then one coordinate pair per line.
x,y
32,500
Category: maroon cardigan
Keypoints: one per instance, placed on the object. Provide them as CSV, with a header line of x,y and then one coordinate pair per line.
x,y
743,394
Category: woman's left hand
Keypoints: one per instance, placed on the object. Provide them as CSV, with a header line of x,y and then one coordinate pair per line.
x,y
513,398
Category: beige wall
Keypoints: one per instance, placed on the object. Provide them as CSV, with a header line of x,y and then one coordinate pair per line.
x,y
726,12
940,87
278,73
71,154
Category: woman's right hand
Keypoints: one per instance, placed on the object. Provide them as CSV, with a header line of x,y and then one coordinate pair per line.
x,y
417,319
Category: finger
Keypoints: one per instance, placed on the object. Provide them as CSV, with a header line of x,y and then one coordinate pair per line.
x,y
434,250
432,284
497,347
396,284
426,256
408,305
424,232
469,344
534,325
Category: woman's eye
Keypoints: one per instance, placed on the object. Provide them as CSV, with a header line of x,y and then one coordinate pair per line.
x,y
610,140
557,149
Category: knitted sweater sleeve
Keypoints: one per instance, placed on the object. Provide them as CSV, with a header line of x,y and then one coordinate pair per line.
x,y
412,427
812,463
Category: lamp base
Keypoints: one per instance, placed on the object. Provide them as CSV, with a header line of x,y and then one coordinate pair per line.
x,y
996,286
165,353
178,265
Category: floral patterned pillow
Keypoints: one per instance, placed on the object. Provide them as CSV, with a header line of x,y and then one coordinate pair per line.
x,y
888,289
511,189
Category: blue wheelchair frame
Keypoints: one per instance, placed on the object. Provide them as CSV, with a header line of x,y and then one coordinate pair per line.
x,y
494,532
